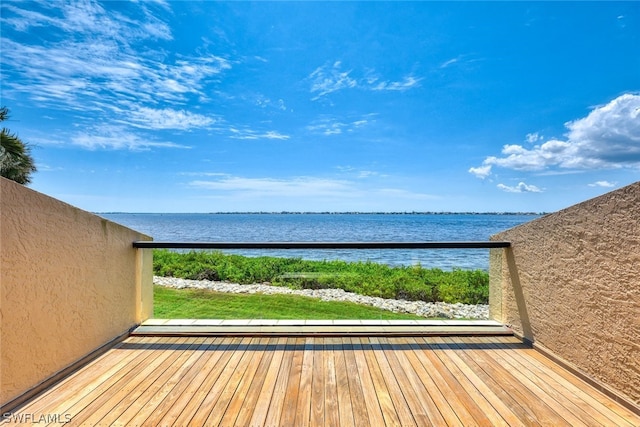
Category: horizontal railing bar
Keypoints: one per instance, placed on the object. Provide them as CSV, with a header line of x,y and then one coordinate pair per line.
x,y
320,245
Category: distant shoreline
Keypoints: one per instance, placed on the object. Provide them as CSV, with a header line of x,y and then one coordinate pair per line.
x,y
326,213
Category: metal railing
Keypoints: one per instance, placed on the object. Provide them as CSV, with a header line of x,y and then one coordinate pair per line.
x,y
320,245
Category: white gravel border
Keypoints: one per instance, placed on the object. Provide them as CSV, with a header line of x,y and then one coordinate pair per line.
x,y
420,308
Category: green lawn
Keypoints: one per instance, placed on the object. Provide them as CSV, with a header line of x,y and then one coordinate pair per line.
x,y
203,304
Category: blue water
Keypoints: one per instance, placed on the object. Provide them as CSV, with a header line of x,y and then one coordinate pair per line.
x,y
334,228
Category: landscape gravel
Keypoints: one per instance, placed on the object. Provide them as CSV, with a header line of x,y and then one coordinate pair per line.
x,y
420,308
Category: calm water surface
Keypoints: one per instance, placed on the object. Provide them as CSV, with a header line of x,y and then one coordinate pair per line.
x,y
334,228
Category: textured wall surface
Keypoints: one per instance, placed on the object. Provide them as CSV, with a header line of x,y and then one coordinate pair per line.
x,y
69,283
571,283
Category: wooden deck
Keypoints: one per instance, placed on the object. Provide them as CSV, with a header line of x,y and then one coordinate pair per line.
x,y
329,381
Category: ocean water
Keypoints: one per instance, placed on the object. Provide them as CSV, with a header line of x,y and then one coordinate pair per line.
x,y
335,228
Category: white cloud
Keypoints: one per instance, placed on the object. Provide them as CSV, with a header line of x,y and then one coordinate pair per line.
x,y
533,137
298,187
460,61
481,171
327,79
253,134
520,188
331,78
264,102
91,62
406,84
149,118
305,191
449,62
608,137
334,126
117,138
603,184
87,17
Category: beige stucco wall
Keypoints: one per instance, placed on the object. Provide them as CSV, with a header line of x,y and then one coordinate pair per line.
x,y
70,282
571,284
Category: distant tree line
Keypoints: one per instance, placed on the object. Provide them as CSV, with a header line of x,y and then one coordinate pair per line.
x,y
16,162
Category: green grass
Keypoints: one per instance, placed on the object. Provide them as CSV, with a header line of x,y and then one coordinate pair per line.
x,y
203,304
365,278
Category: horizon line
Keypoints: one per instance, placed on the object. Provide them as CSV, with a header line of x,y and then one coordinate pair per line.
x,y
329,213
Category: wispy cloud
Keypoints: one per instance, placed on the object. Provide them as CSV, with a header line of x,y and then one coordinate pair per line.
x,y
360,173
149,118
532,138
305,190
117,138
246,133
294,187
88,17
460,60
407,83
91,61
331,78
603,184
264,102
607,138
520,188
449,62
334,126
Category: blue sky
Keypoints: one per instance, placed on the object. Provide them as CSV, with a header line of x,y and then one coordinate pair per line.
x,y
180,106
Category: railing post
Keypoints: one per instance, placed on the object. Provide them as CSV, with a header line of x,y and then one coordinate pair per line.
x,y
496,281
144,284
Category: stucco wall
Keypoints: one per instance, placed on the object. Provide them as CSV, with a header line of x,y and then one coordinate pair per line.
x,y
571,284
70,282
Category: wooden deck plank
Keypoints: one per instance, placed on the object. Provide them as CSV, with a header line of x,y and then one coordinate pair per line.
x,y
245,399
385,401
562,415
171,402
495,378
331,408
345,408
483,395
201,390
605,405
557,388
268,391
102,390
427,376
281,386
318,398
289,409
125,388
200,415
404,415
333,381
303,406
374,412
477,404
58,397
356,388
148,400
559,400
528,398
241,375
448,386
421,403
